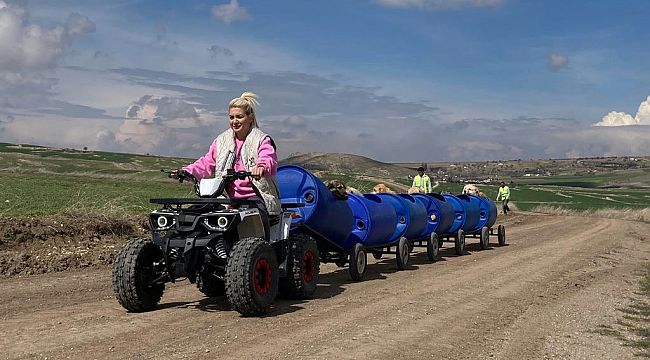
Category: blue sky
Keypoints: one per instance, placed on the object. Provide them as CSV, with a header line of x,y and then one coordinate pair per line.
x,y
395,80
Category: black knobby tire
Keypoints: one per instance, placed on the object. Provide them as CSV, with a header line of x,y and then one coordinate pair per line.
x,y
303,265
459,242
358,262
377,254
432,246
403,253
134,269
485,238
501,234
252,276
210,286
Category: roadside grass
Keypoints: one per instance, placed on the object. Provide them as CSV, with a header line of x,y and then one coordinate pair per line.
x,y
642,215
634,331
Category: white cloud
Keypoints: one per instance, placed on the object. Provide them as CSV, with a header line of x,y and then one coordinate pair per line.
x,y
439,4
230,12
29,54
25,46
163,125
557,61
615,118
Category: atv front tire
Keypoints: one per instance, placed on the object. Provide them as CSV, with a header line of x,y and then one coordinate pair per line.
x,y
252,276
136,265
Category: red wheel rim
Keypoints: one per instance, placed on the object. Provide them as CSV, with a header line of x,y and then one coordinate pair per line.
x,y
262,276
308,266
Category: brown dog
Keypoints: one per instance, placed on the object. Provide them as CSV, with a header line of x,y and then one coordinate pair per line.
x,y
414,190
471,189
338,188
381,188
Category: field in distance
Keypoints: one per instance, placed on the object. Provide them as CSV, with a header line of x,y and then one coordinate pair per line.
x,y
38,180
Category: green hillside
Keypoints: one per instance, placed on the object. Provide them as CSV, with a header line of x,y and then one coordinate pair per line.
x,y
36,180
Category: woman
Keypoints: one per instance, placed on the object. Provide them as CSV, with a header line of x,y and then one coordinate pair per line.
x,y
253,151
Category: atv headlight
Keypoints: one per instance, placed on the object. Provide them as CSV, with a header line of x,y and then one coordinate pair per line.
x,y
160,222
217,223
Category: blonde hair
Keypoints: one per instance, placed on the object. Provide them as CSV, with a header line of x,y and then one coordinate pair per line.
x,y
247,102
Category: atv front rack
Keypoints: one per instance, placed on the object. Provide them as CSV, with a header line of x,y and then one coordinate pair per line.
x,y
200,201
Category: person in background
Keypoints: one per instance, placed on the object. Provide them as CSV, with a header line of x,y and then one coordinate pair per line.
x,y
422,182
253,151
504,196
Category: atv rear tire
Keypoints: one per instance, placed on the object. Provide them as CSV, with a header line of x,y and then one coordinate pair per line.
x,y
303,265
210,286
134,269
252,276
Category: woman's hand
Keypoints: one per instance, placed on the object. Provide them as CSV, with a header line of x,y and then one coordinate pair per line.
x,y
258,171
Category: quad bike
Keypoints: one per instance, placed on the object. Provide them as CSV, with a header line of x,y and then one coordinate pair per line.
x,y
218,243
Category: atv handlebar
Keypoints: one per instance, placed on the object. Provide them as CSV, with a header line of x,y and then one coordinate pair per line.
x,y
180,175
230,175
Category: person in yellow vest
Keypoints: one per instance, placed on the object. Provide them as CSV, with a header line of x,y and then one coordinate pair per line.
x,y
504,196
422,181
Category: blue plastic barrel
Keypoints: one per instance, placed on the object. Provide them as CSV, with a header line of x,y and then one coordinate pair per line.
x,y
402,215
417,217
374,220
323,214
459,213
471,213
437,206
487,211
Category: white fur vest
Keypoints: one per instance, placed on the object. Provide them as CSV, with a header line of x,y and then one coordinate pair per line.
x,y
267,187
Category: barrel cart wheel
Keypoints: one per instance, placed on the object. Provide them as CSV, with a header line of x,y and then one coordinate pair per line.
x,y
501,235
377,254
459,242
358,262
433,246
403,253
485,238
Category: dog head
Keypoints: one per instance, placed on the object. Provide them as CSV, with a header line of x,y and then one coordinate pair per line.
x,y
414,190
381,188
338,188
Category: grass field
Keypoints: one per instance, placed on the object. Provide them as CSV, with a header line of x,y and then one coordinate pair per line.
x,y
39,181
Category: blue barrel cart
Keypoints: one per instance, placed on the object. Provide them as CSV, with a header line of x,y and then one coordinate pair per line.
x,y
343,229
408,223
474,216
346,230
465,217
439,217
322,217
487,218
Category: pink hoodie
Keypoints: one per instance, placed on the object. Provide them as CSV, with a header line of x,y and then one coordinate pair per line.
x,y
204,166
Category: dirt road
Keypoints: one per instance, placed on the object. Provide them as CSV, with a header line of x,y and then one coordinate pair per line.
x,y
543,296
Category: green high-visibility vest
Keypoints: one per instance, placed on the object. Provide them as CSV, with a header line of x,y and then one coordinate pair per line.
x,y
423,183
504,193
